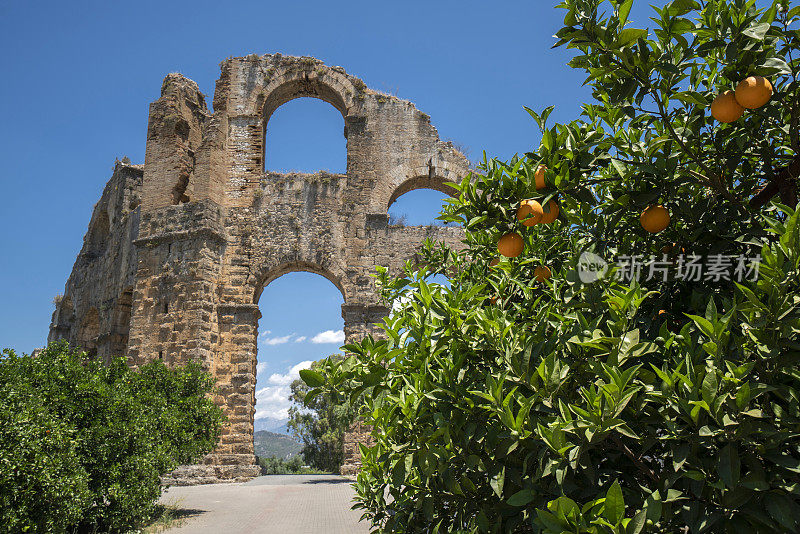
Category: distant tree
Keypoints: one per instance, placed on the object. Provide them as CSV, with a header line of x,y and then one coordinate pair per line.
x,y
320,423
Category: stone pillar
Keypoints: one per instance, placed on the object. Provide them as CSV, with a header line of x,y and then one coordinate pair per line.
x,y
360,320
234,367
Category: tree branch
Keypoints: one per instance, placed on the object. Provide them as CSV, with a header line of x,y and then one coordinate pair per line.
x,y
784,182
635,459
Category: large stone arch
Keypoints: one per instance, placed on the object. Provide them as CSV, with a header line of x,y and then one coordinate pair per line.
x,y
197,267
272,272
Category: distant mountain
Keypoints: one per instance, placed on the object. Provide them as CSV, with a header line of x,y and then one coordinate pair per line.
x,y
280,429
273,425
278,445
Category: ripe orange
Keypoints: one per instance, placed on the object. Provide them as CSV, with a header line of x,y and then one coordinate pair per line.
x,y
654,219
725,108
542,273
510,245
539,179
550,212
529,212
753,92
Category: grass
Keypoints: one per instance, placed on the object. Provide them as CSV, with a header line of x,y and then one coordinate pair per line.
x,y
167,517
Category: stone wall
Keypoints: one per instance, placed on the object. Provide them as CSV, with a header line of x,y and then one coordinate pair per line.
x,y
180,277
95,310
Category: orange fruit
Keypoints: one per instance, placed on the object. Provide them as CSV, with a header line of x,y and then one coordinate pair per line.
x,y
550,212
542,273
753,92
539,179
725,108
529,212
510,245
654,219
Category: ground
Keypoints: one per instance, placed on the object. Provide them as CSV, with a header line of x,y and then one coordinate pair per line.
x,y
286,504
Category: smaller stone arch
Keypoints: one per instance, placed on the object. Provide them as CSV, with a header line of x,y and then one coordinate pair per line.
x,y
63,320
121,322
301,79
98,235
88,332
437,183
301,87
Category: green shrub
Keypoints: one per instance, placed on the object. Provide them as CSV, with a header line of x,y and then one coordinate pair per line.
x,y
43,486
293,466
96,438
506,404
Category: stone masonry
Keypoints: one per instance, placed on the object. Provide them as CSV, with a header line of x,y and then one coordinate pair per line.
x,y
179,249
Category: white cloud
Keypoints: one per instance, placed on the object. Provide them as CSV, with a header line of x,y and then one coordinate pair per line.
x,y
265,333
300,339
329,336
260,367
277,340
272,401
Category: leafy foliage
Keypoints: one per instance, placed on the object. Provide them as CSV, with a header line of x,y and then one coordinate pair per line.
x,y
281,466
319,421
82,445
503,404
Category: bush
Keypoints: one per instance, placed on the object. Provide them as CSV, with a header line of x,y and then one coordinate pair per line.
x,y
507,404
280,466
82,445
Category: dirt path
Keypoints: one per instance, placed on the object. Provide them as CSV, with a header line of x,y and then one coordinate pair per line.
x,y
283,504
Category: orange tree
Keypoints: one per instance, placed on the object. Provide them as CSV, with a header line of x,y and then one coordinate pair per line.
x,y
576,400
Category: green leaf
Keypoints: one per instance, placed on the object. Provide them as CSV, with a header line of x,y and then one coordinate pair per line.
x,y
704,324
691,97
624,11
630,35
710,386
614,507
497,482
521,498
728,466
782,509
636,525
312,378
757,31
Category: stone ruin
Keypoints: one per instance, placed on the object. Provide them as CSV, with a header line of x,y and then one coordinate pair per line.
x,y
179,249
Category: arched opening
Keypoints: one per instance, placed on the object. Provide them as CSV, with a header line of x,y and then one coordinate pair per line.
x,y
99,231
301,322
418,207
122,323
88,333
305,135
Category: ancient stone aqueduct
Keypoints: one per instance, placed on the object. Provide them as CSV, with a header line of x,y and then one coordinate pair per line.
x,y
179,249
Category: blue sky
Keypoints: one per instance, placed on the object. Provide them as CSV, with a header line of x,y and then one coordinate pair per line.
x,y
78,78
